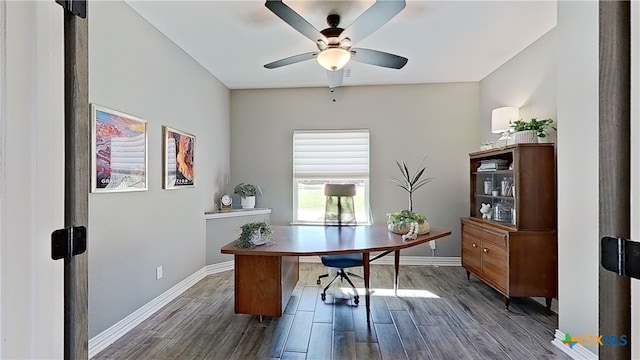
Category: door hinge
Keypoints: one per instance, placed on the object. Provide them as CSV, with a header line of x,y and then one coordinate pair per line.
x,y
76,7
68,242
621,256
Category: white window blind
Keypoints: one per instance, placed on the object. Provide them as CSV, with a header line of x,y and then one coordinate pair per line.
x,y
331,154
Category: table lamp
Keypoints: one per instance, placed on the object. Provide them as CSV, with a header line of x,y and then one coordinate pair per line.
x,y
501,119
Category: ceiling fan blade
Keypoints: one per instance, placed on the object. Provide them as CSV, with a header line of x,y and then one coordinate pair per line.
x,y
379,58
294,19
372,19
292,60
335,78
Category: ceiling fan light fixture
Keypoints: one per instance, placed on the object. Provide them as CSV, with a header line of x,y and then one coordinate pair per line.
x,y
333,58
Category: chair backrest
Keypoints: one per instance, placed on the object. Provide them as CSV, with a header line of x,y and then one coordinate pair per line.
x,y
339,204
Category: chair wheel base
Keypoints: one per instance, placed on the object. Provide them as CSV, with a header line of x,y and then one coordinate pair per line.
x,y
318,282
323,296
356,300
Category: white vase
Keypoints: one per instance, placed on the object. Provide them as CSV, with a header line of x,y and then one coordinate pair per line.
x,y
527,136
257,238
248,202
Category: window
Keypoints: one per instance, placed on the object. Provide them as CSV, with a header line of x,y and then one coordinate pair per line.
x,y
329,156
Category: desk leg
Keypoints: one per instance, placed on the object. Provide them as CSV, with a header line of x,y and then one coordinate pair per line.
x,y
397,271
367,300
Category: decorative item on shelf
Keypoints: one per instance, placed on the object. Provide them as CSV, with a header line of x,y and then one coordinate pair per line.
x,y
488,186
530,131
486,145
501,119
226,202
493,165
255,234
247,193
485,210
505,187
502,212
400,222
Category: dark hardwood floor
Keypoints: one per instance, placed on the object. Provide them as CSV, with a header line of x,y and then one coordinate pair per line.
x,y
437,315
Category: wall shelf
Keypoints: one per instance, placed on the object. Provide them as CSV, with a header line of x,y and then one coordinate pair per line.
x,y
220,214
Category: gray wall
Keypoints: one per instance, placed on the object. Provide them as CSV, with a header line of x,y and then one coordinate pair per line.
x,y
407,122
136,70
528,81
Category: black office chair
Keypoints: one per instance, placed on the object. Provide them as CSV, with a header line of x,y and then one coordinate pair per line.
x,y
340,211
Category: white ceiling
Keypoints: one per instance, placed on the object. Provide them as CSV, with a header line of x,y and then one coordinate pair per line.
x,y
445,41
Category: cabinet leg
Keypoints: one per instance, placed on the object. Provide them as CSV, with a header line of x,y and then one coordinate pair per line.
x,y
548,301
468,276
507,300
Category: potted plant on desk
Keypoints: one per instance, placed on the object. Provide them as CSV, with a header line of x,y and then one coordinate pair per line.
x,y
406,221
247,193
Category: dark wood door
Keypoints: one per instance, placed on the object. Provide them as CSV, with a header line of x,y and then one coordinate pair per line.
x,y
615,164
77,154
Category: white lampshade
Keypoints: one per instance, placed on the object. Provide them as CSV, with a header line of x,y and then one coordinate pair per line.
x,y
502,117
333,58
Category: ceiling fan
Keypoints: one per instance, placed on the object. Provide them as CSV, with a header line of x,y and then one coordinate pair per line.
x,y
335,43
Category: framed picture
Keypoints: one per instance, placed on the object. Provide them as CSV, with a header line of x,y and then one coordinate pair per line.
x,y
179,148
118,151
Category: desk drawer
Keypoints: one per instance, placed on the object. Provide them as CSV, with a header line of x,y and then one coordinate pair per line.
x,y
495,237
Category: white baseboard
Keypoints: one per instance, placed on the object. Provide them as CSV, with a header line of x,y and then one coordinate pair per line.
x,y
119,329
218,268
404,260
577,352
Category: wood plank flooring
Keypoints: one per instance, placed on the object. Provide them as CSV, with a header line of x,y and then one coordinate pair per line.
x,y
437,315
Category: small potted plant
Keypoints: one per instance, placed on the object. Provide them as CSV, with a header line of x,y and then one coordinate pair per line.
x,y
400,222
255,234
406,221
530,131
247,193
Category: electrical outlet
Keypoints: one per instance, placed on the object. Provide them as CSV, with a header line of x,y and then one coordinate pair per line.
x,y
159,273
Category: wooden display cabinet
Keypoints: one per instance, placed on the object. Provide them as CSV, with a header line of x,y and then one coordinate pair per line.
x,y
513,248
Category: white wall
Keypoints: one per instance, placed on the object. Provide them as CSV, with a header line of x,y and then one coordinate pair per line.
x,y
578,167
407,122
527,81
137,70
31,186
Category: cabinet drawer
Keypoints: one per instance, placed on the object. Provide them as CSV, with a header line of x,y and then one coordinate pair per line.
x,y
471,253
494,264
486,235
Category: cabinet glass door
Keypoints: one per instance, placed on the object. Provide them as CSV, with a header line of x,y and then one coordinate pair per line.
x,y
495,196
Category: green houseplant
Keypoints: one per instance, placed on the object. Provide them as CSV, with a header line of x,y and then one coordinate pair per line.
x,y
541,128
245,190
247,193
254,234
410,182
400,222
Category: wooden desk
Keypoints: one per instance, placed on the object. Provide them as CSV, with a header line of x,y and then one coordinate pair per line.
x,y
266,275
